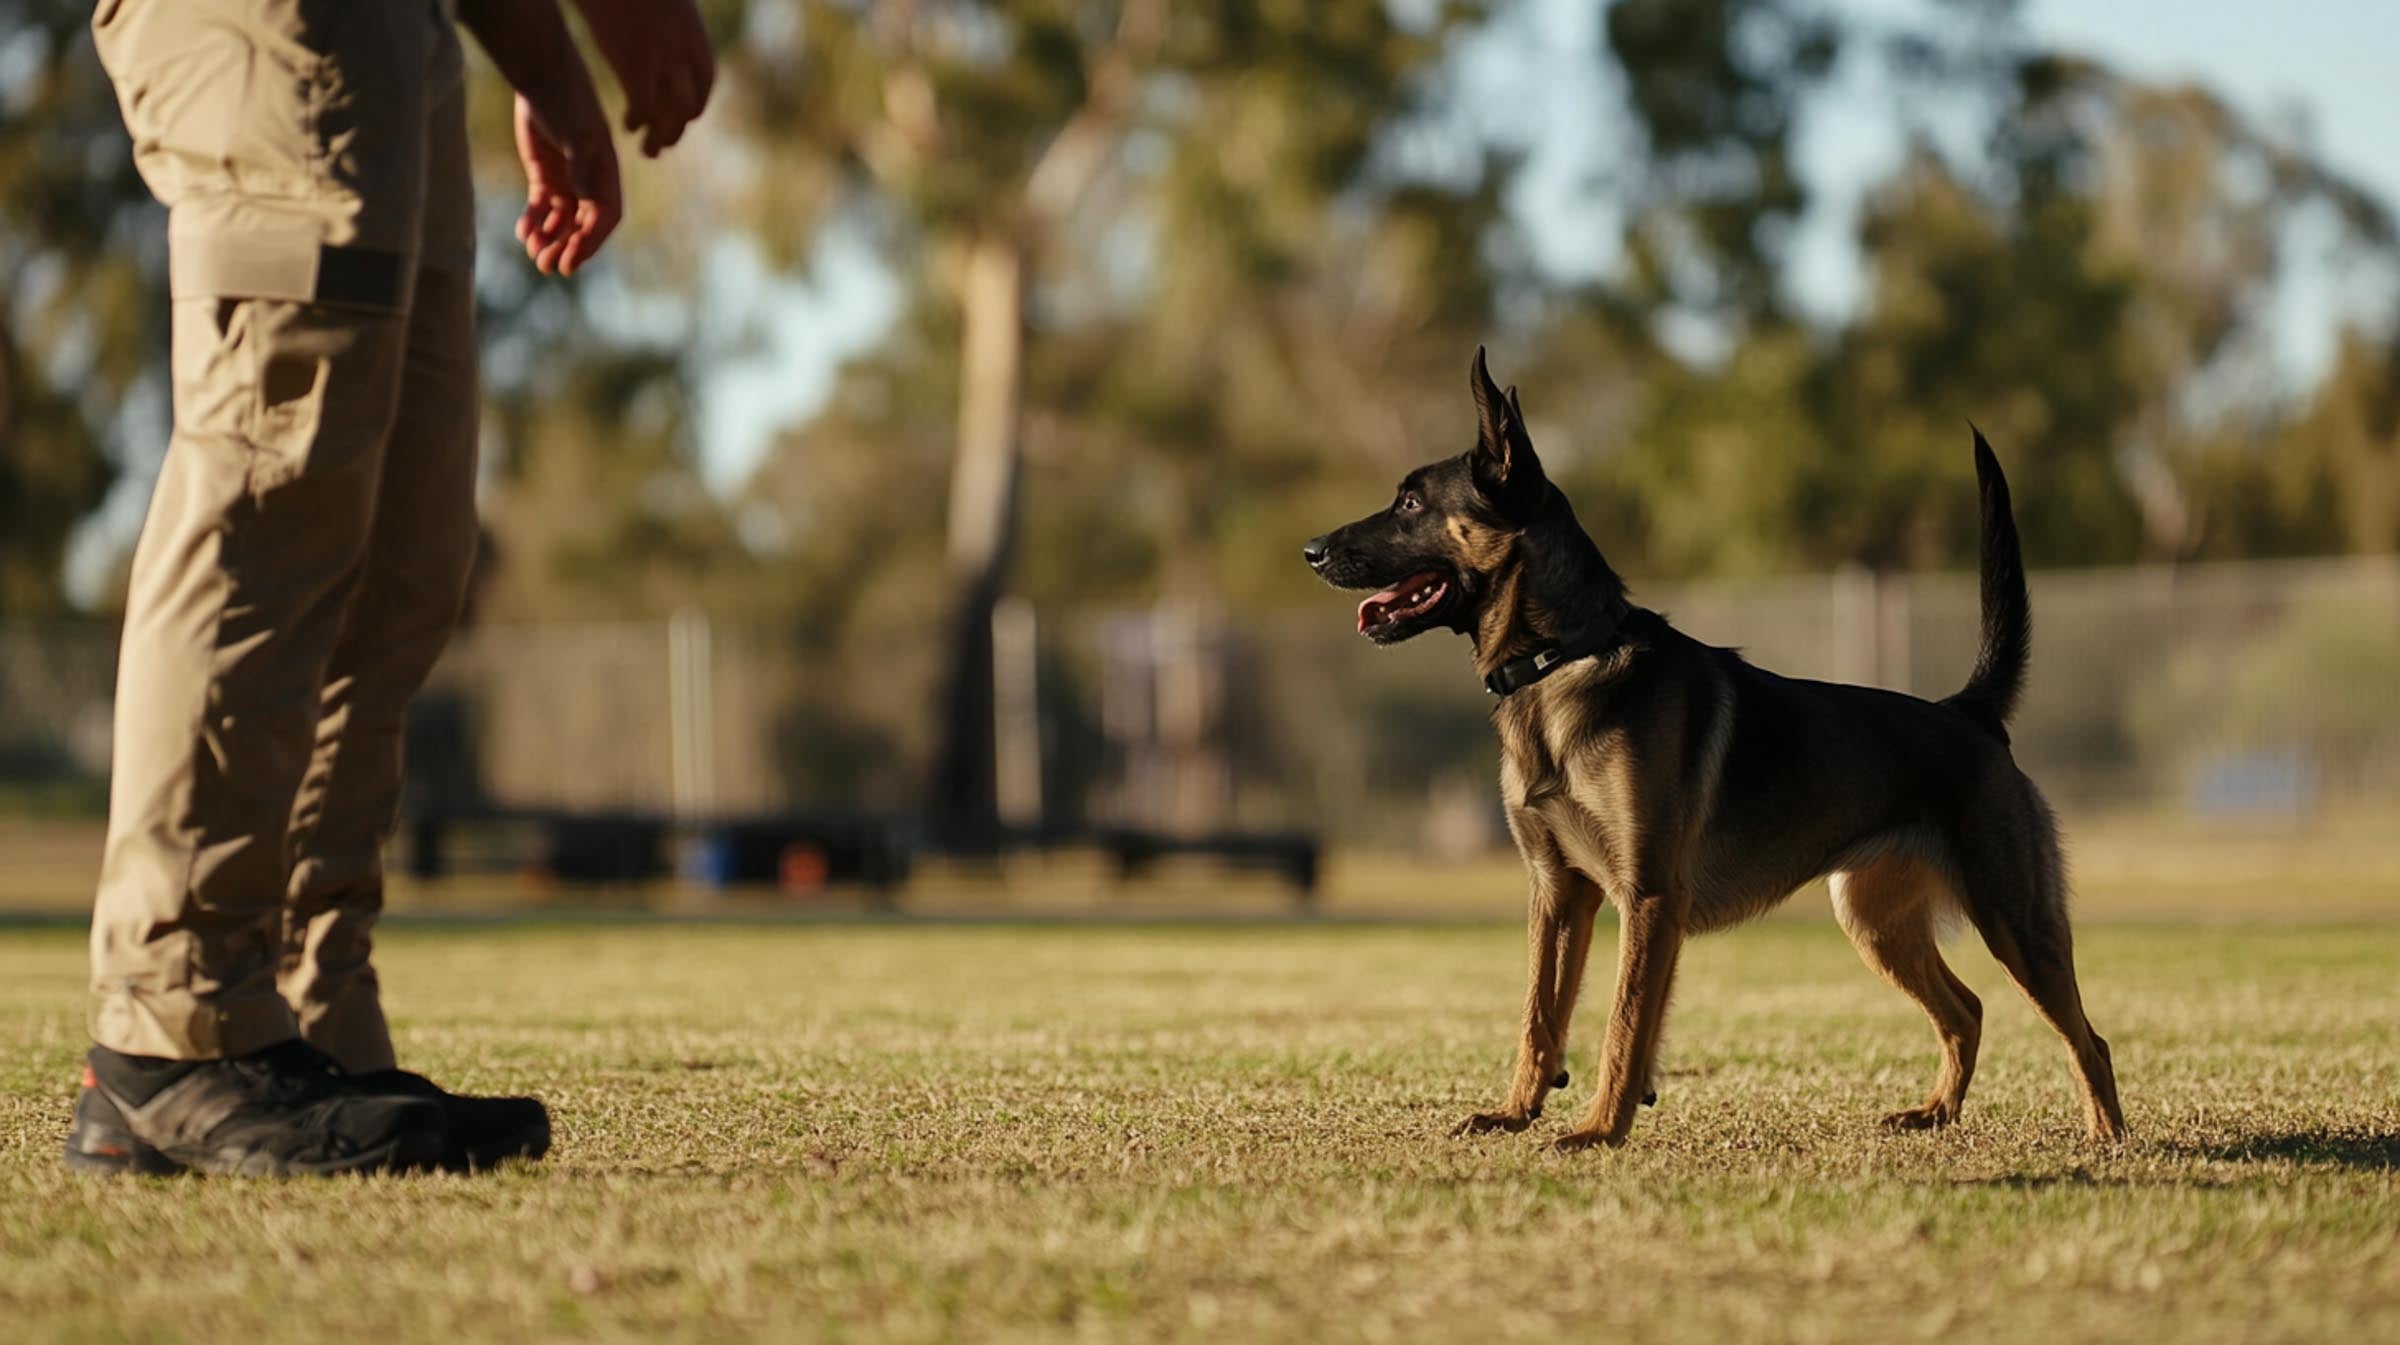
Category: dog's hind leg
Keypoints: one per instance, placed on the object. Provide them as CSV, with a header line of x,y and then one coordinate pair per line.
x,y
2017,897
1888,907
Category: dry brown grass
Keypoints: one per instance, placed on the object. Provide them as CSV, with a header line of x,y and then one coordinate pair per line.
x,y
920,1133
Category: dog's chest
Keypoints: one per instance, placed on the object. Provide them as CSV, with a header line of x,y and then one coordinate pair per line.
x,y
1599,846
1572,774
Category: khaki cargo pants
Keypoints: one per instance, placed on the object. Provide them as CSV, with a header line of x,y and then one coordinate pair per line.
x,y
307,549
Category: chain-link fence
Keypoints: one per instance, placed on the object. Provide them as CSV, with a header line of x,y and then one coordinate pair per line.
x,y
2243,692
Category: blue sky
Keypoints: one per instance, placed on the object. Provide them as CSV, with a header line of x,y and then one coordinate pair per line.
x,y
2330,60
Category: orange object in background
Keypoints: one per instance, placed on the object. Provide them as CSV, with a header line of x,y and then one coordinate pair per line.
x,y
803,869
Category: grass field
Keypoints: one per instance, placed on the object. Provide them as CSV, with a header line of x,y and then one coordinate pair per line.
x,y
936,1132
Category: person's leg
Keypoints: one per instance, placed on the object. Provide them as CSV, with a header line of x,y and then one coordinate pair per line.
x,y
419,556
240,581
419,560
286,146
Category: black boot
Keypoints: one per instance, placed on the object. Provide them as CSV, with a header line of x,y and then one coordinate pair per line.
x,y
281,1112
482,1130
100,1141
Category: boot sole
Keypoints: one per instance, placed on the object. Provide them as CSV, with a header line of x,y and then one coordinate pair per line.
x,y
140,1161
528,1144
408,1153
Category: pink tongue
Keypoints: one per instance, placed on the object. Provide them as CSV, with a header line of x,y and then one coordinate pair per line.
x,y
1389,598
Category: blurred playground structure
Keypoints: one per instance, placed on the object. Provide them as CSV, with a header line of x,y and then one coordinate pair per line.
x,y
2258,697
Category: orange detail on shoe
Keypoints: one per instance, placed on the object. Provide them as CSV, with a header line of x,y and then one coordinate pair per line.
x,y
90,1080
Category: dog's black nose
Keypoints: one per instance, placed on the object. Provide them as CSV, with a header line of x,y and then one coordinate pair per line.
x,y
1313,551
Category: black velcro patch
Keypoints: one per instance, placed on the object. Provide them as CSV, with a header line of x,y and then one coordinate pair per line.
x,y
362,276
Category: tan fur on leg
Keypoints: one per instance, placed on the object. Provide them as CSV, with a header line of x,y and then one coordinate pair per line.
x,y
1888,909
2046,973
2018,892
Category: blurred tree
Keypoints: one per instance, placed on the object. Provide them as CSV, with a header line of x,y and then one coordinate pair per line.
x,y
2197,207
2331,481
82,293
2092,284
601,496
593,480
979,129
1124,180
1179,280
1716,88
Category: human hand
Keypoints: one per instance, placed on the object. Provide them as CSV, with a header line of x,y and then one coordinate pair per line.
x,y
573,199
660,52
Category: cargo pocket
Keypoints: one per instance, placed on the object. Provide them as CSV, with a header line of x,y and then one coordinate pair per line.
x,y
324,389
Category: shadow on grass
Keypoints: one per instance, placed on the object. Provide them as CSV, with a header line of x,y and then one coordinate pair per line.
x,y
2330,1148
2317,1147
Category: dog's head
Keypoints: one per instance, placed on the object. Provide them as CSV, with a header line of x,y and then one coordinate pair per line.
x,y
1434,556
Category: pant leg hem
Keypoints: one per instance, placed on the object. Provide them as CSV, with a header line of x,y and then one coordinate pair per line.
x,y
356,1036
180,1027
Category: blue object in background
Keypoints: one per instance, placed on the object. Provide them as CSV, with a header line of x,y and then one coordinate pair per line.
x,y
2276,782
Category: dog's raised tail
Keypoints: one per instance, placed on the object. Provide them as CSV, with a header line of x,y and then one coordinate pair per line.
x,y
1990,695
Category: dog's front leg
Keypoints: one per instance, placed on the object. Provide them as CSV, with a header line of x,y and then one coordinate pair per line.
x,y
1558,934
1649,939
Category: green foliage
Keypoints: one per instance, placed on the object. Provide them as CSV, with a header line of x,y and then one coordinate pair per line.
x,y
1716,87
1243,247
1287,231
2329,481
82,292
2076,292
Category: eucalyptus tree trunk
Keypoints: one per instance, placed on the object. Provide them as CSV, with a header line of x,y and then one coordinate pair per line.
x,y
983,484
983,491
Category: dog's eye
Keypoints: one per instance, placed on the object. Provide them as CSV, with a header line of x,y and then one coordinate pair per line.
x,y
1411,502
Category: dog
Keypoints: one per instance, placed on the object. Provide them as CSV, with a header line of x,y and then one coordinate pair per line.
x,y
1693,790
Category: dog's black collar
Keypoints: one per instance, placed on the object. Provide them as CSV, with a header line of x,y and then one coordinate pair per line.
x,y
1520,673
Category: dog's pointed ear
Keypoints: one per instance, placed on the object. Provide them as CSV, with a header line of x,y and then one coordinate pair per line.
x,y
1491,410
1505,466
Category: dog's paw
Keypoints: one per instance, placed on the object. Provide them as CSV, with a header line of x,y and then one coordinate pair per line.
x,y
1931,1116
1485,1122
1577,1141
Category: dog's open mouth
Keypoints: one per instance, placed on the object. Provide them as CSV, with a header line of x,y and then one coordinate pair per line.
x,y
1395,608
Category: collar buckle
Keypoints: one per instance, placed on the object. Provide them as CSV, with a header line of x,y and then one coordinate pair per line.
x,y
1518,674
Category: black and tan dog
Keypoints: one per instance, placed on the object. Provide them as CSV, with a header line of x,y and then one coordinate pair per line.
x,y
1644,768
